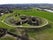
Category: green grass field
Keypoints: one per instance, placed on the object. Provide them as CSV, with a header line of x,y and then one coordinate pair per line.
x,y
44,33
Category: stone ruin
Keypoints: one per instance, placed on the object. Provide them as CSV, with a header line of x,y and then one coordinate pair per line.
x,y
34,21
31,20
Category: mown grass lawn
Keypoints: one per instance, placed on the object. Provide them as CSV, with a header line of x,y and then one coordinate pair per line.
x,y
44,33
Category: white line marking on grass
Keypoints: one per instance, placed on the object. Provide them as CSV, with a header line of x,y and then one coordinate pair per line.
x,y
7,24
11,25
27,26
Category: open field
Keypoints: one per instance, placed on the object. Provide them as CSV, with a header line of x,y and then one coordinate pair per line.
x,y
44,33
